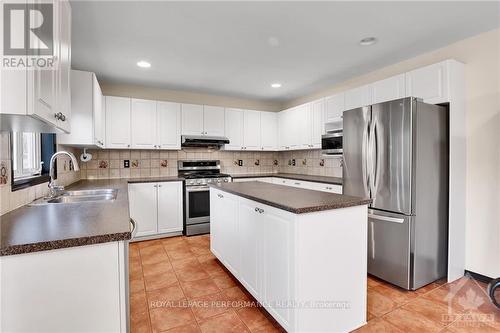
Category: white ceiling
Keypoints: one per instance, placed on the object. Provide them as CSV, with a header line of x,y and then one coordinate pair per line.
x,y
240,48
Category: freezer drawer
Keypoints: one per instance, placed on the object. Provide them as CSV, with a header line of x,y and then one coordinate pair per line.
x,y
389,247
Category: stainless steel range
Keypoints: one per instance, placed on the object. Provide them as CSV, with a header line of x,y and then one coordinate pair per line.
x,y
198,175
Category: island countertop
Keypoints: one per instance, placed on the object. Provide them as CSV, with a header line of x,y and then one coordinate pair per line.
x,y
291,199
39,228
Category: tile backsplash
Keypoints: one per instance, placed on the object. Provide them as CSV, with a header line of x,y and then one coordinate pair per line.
x,y
108,163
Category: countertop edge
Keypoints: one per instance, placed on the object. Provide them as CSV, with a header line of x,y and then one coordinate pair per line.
x,y
64,243
304,210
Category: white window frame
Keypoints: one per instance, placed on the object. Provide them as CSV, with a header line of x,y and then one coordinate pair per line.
x,y
34,152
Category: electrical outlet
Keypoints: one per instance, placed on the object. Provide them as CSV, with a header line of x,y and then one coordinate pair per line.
x,y
293,161
126,164
240,162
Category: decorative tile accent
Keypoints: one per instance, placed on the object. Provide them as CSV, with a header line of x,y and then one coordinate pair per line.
x,y
164,163
102,164
135,163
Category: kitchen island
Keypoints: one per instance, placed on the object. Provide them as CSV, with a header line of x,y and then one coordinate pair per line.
x,y
300,253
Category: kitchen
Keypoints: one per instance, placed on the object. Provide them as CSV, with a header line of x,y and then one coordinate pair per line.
x,y
174,187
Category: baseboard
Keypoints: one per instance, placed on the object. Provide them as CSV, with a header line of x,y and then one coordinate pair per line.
x,y
479,277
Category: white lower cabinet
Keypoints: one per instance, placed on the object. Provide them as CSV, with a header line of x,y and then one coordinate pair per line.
x,y
241,232
79,288
156,207
279,257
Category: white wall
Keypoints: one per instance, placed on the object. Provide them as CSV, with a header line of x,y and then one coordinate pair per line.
x,y
481,54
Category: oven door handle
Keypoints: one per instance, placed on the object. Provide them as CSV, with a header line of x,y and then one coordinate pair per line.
x,y
197,189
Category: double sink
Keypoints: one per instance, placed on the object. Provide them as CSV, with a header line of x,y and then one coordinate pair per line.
x,y
68,197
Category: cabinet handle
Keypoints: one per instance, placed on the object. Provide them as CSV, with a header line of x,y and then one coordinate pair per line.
x,y
60,116
159,185
128,146
220,195
256,209
155,185
297,183
261,210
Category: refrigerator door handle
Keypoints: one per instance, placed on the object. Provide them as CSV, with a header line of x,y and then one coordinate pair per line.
x,y
385,218
365,162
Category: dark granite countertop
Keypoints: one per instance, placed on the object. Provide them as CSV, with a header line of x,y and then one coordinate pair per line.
x,y
296,176
39,228
155,179
294,200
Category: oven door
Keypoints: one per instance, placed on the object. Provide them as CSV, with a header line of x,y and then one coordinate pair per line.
x,y
331,143
197,204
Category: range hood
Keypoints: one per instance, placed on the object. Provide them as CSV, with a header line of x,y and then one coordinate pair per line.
x,y
203,141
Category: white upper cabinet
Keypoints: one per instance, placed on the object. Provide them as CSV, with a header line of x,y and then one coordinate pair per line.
x,y
358,97
63,82
169,125
143,124
98,105
429,83
117,122
87,116
213,120
334,106
317,122
388,89
234,130
302,127
269,130
202,120
192,119
251,130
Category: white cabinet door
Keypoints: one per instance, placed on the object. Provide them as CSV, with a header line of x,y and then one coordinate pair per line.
x,y
269,130
43,97
117,122
143,207
192,119
64,70
213,119
169,125
303,126
234,129
429,83
99,114
334,106
217,223
230,235
170,207
389,89
143,124
249,234
82,118
251,130
317,123
358,97
277,250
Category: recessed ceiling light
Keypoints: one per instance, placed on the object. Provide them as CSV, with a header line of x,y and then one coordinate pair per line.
x,y
368,41
143,64
276,85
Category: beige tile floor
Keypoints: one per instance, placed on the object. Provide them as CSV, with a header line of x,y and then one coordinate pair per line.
x,y
177,285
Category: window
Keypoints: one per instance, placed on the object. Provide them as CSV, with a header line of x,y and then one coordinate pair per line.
x,y
31,154
26,157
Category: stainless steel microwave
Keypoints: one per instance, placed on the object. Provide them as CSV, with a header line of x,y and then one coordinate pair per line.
x,y
331,143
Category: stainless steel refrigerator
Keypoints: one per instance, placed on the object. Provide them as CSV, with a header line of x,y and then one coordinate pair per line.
x,y
397,154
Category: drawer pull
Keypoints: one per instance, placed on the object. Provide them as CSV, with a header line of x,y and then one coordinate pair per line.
x,y
220,195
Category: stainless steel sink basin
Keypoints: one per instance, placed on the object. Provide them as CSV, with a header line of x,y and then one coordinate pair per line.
x,y
68,197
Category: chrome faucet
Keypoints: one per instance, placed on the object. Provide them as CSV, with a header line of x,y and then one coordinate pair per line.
x,y
54,189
